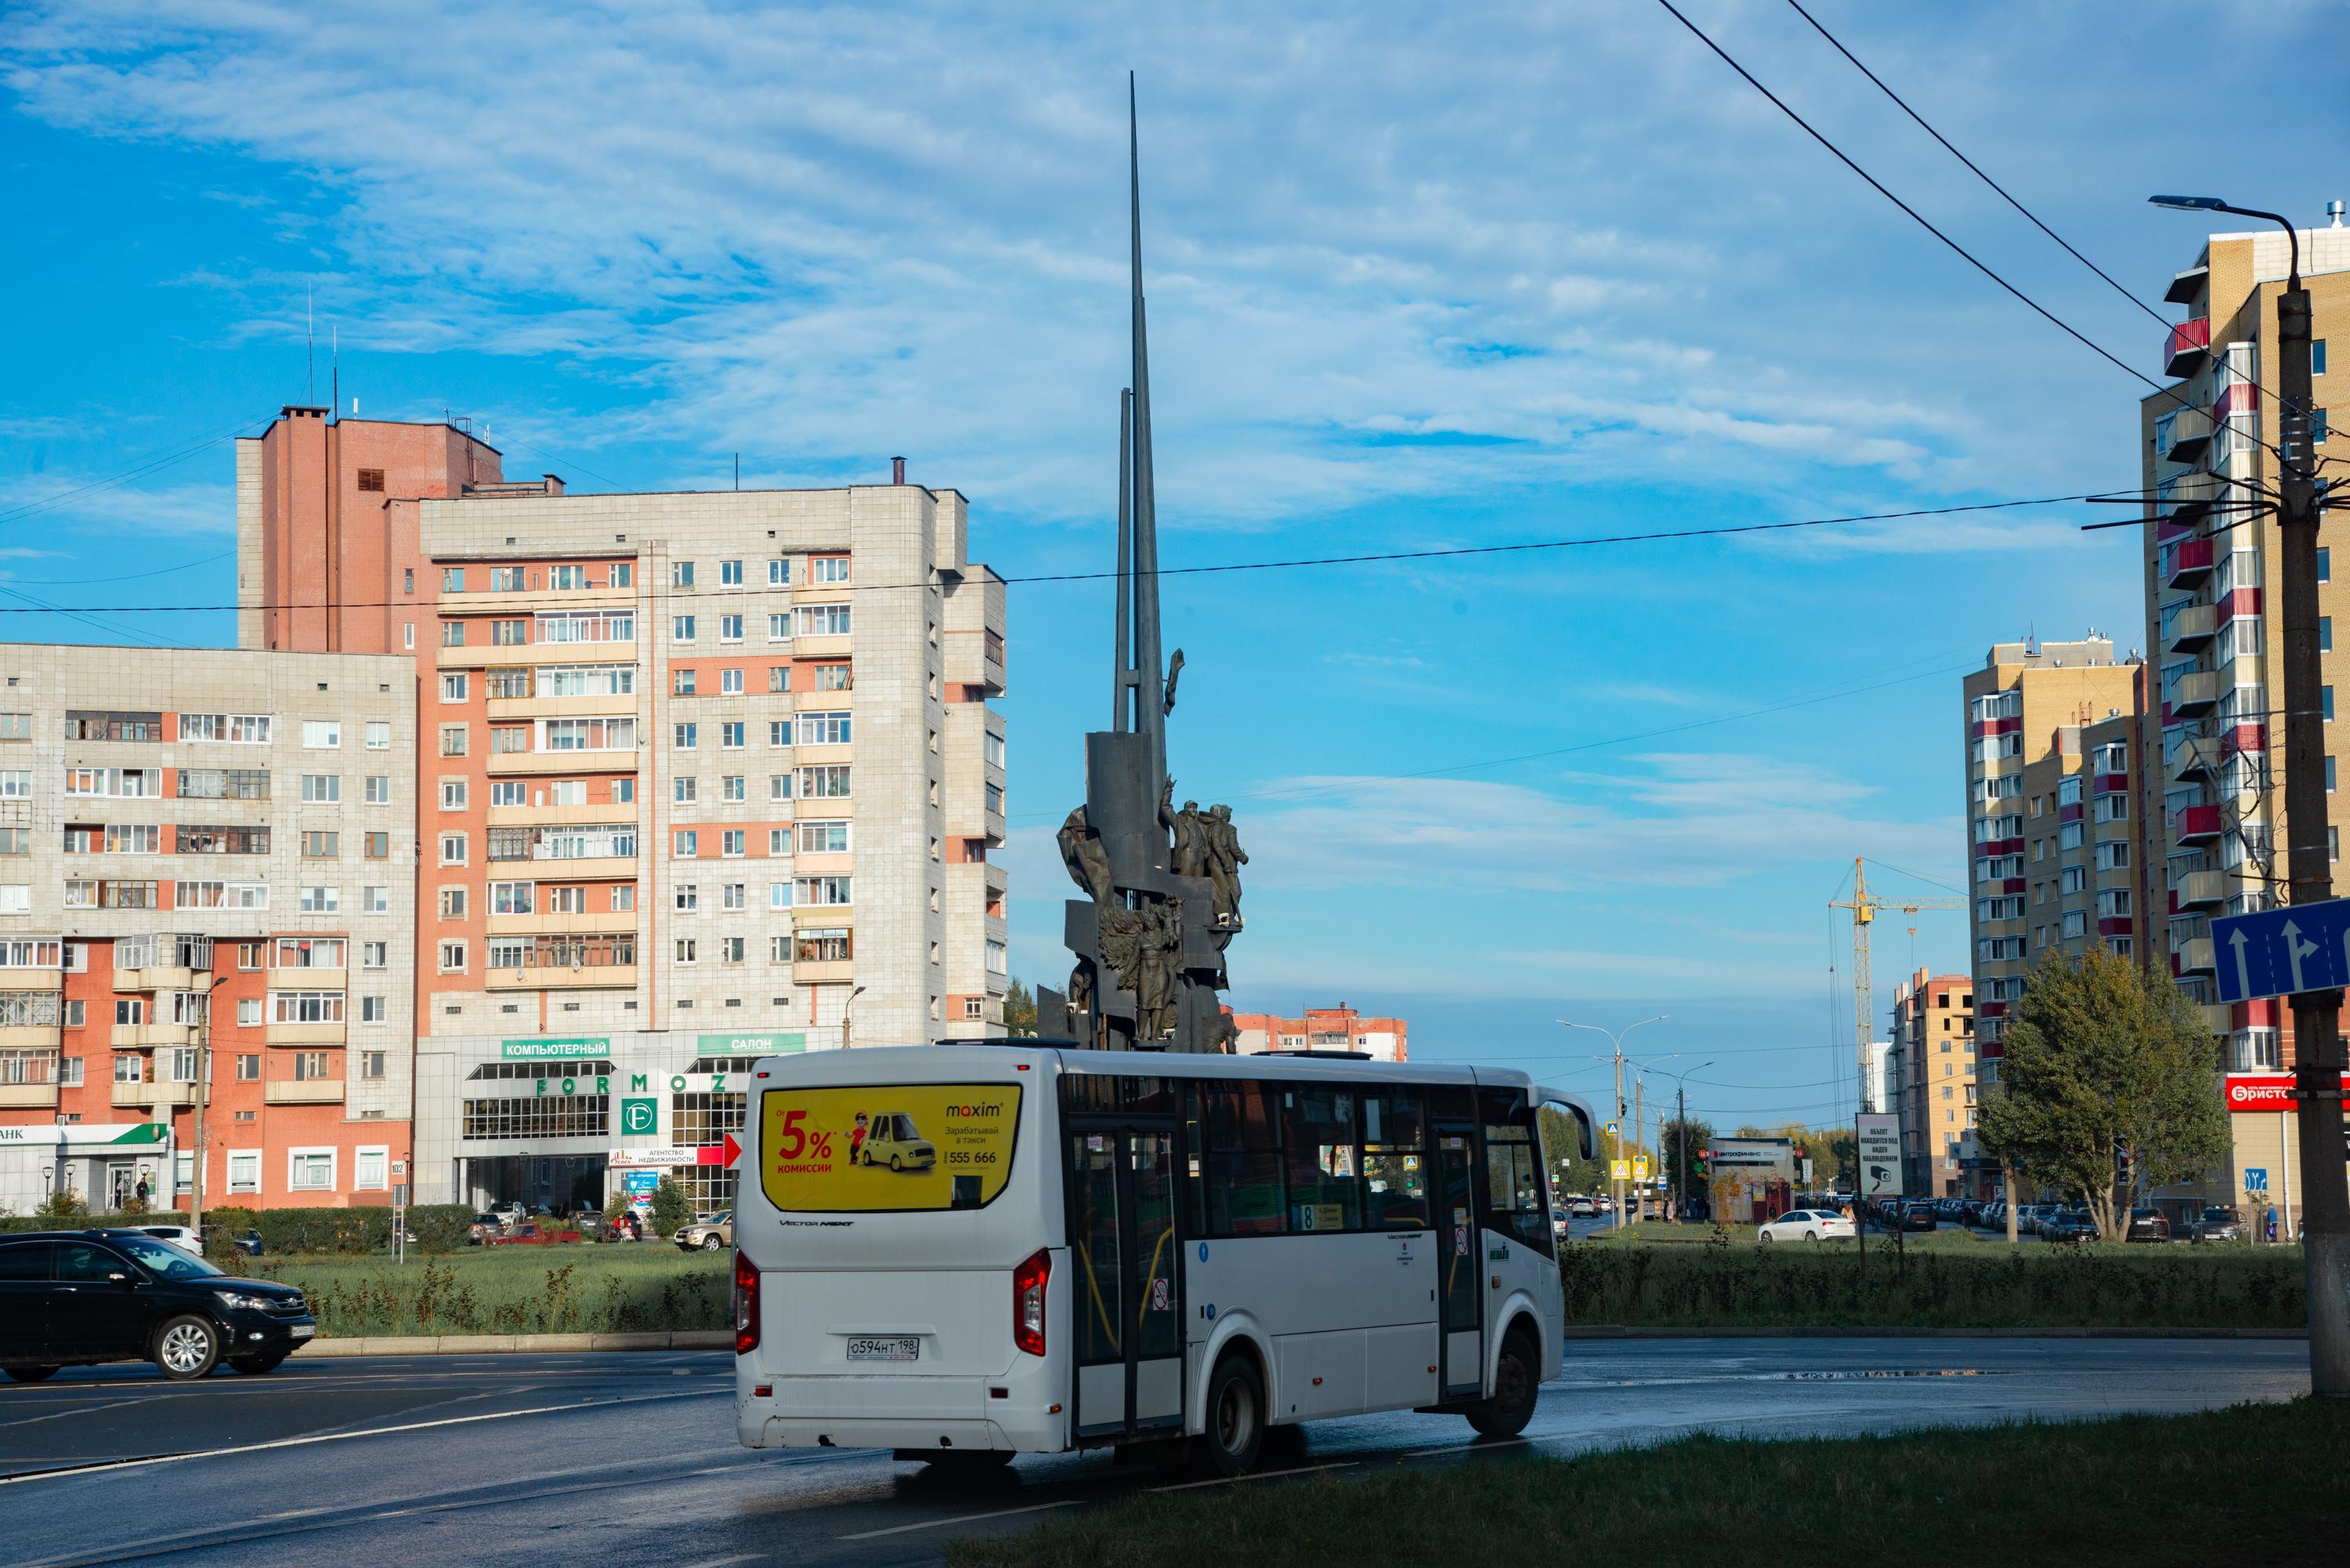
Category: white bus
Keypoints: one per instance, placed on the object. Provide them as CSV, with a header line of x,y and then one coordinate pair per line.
x,y
965,1251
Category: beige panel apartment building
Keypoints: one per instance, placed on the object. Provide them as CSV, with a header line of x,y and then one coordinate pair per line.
x,y
197,839
2057,809
2210,566
1929,1067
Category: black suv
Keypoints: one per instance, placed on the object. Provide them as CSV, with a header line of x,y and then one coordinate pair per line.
x,y
69,1298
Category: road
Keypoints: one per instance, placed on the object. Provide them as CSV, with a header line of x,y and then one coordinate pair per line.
x,y
631,1458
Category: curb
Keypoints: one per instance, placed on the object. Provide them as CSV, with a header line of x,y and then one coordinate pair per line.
x,y
1814,1331
517,1343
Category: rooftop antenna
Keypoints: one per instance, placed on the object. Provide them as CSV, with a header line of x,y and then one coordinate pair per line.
x,y
738,471
335,367
309,348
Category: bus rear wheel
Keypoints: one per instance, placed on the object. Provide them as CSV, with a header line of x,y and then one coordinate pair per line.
x,y
1236,1420
1517,1381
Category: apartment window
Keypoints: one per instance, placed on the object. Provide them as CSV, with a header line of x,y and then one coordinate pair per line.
x,y
248,1062
832,677
828,569
729,574
453,686
730,950
808,891
452,740
731,787
681,682
779,786
453,958
2317,357
375,900
779,573
687,737
731,894
823,729
684,843
321,734
509,792
680,574
624,573
994,749
2325,564
512,898
453,849
730,682
681,629
779,628
379,736
566,900
375,955
453,794
684,788
821,621
505,579
819,945
248,955
319,844
509,739
2110,808
824,783
2325,701
378,789
779,841
730,735
372,1065
779,733
624,792
2326,634
453,579
407,634
452,634
823,837
452,903
730,628
687,949
730,843
321,901
311,1170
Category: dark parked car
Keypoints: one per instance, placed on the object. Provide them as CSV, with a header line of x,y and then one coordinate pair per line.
x,y
2068,1225
71,1298
2215,1223
2147,1225
1920,1217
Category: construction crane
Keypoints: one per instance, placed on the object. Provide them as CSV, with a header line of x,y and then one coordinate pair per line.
x,y
1865,908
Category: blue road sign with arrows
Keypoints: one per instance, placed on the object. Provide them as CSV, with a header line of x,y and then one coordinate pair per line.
x,y
2277,952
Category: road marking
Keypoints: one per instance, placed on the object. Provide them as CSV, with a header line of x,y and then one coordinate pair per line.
x,y
959,1518
573,1407
724,1562
1258,1475
75,1410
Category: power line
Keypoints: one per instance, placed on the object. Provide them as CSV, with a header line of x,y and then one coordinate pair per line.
x,y
1970,164
126,577
489,606
152,465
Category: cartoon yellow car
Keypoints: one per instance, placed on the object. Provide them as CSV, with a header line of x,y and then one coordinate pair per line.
x,y
890,1140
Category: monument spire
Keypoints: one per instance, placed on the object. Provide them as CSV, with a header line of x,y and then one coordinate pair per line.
x,y
1150,699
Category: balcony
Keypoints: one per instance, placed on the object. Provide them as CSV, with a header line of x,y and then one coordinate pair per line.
x,y
2180,435
975,659
2194,694
2185,347
2193,628
147,1036
32,979
2193,957
506,764
2199,888
2186,563
303,1033
28,1096
2184,498
302,1091
154,1096
2192,757
589,922
588,977
2196,824
2217,1017
161,977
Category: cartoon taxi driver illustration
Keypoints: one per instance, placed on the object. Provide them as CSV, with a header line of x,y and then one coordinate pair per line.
x,y
857,1138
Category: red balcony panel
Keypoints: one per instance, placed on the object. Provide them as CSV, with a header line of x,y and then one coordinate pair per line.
x,y
2113,925
2070,812
1990,847
2166,719
2241,601
1982,727
1991,1010
2175,970
2189,558
2012,885
2185,345
2239,738
1990,1050
2241,399
2174,900
2110,784
2171,528
2197,822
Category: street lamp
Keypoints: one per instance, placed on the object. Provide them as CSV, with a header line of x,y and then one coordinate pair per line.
x,y
1680,1126
2316,1014
1616,1040
848,1016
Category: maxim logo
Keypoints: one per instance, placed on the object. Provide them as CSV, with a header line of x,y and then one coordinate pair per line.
x,y
986,1112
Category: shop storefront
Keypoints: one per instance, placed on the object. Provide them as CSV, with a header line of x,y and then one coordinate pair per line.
x,y
104,1166
2265,1171
565,1122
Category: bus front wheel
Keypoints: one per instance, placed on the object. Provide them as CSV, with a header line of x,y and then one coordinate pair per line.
x,y
1517,1381
1235,1418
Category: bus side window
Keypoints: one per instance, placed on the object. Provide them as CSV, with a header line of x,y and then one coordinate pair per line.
x,y
1515,1199
1242,1170
1195,1154
1320,1135
1395,1184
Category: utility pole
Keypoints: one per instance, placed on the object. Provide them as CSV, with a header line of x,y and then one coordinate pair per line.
x,y
1639,1141
2316,1014
204,1097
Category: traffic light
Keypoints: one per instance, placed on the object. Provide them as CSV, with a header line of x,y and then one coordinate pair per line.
x,y
1704,1161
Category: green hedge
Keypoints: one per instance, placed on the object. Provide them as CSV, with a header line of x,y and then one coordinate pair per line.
x,y
437,1227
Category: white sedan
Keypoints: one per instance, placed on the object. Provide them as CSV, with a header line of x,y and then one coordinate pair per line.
x,y
1807,1225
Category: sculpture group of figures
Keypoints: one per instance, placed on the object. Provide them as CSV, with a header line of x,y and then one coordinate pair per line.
x,y
1140,934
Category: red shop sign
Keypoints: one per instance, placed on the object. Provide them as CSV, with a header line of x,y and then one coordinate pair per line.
x,y
2264,1091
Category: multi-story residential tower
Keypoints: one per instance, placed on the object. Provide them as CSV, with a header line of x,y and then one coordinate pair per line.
x,y
2206,457
703,775
197,839
1338,1028
1931,1065
2056,810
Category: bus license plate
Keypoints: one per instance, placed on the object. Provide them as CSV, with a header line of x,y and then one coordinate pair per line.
x,y
893,1348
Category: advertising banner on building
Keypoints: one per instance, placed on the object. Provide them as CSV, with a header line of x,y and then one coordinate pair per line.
x,y
2264,1091
894,1146
554,1050
773,1043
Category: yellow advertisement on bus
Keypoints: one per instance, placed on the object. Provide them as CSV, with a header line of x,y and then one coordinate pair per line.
x,y
887,1148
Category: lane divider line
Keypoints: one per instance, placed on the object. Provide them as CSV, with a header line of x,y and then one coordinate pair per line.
x,y
1257,1475
573,1407
959,1518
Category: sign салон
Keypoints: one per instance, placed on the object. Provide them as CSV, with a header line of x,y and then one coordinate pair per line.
x,y
769,1043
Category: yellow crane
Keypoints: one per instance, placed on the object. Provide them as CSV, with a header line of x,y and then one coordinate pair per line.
x,y
1865,908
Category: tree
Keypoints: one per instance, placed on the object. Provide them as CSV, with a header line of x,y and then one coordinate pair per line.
x,y
671,1209
1570,1172
1680,1143
1836,1151
1019,1009
2105,1087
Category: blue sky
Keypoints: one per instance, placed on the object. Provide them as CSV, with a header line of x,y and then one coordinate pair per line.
x,y
1419,278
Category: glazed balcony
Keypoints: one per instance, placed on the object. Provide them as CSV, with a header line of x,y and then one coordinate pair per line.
x,y
2194,694
2193,957
2196,824
2199,890
2187,561
2191,628
2181,435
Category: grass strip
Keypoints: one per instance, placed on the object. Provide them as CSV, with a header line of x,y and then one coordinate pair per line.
x,y
2252,1483
620,1289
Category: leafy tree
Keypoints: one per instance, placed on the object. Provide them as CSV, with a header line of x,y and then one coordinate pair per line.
x,y
1835,1151
671,1209
1681,1143
2105,1087
1019,1009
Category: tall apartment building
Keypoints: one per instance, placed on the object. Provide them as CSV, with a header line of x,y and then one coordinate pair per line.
x,y
2205,457
197,839
1932,1075
703,775
1338,1028
2057,809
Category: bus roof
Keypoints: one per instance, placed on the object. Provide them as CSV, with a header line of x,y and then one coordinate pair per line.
x,y
1180,1065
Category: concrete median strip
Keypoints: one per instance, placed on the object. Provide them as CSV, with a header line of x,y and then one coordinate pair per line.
x,y
516,1344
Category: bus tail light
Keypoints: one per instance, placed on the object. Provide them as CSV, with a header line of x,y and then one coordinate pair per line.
x,y
746,1305
1028,1302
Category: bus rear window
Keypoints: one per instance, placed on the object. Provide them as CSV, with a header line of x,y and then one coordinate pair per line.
x,y
887,1148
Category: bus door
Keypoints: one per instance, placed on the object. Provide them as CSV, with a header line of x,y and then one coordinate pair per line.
x,y
1460,1314
1126,1285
